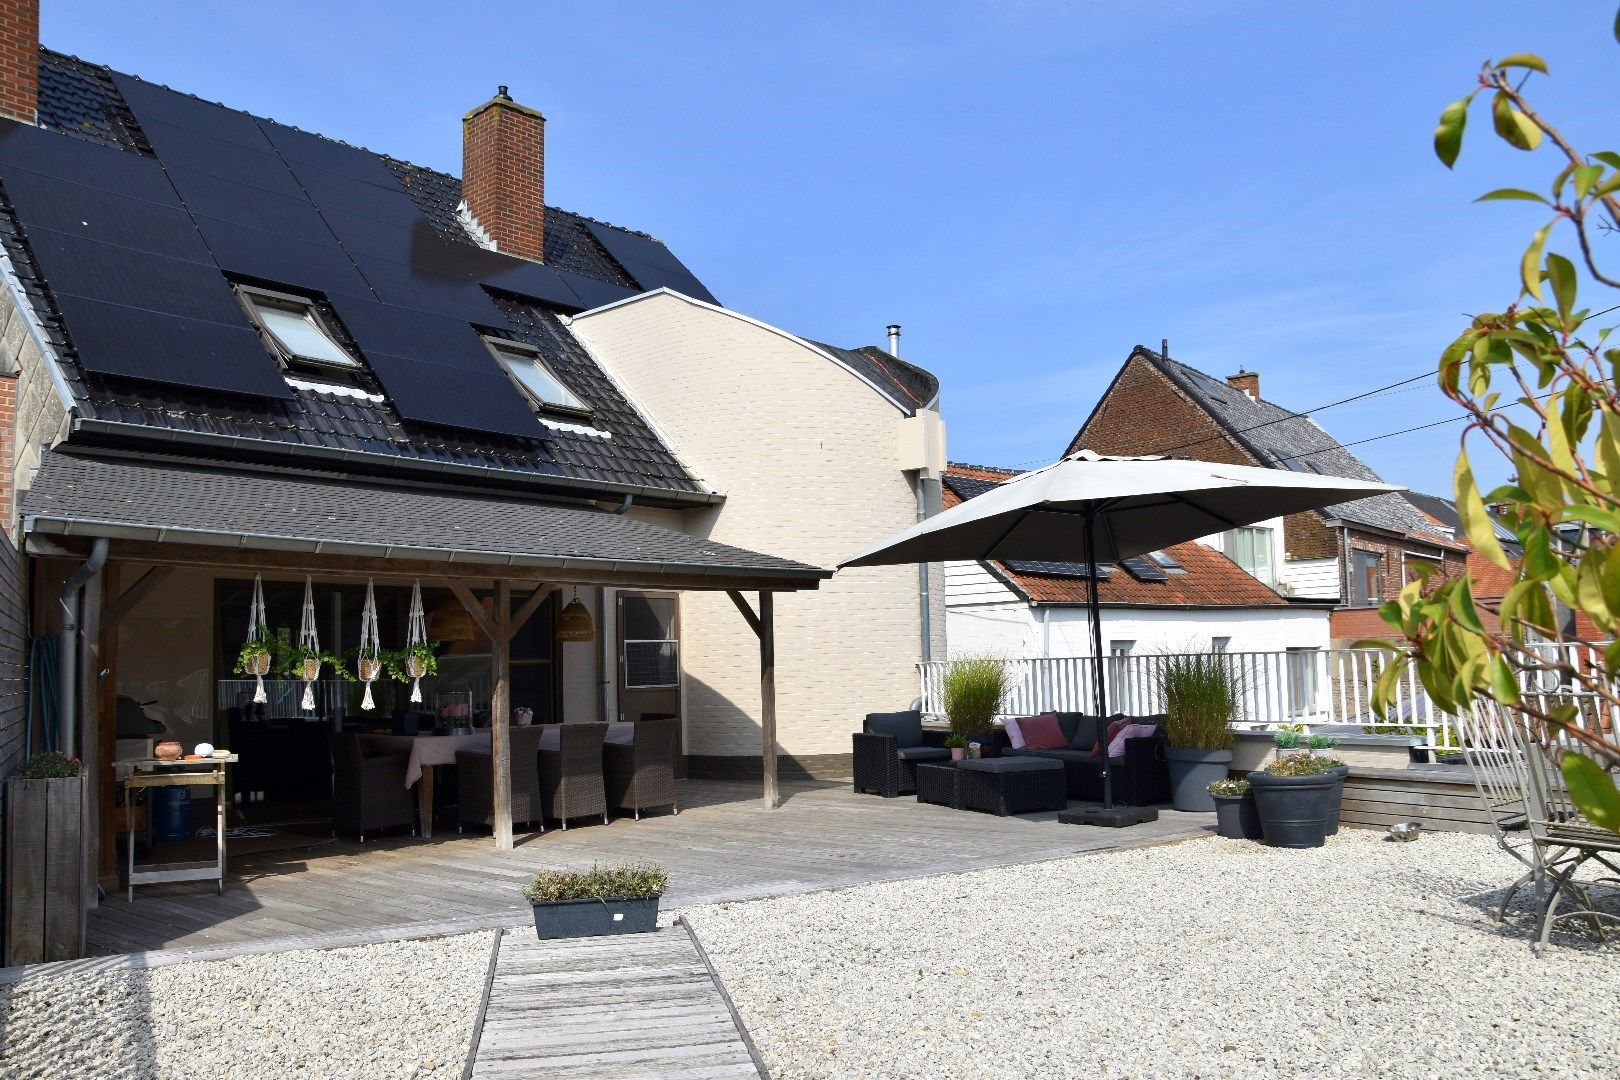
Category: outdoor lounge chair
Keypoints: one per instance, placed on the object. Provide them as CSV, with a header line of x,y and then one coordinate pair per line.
x,y
640,775
887,751
475,779
571,772
368,789
1141,776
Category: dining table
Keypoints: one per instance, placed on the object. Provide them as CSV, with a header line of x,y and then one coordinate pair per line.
x,y
424,754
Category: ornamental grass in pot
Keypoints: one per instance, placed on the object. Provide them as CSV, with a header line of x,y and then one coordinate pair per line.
x,y
1236,817
974,687
602,900
1201,694
1297,797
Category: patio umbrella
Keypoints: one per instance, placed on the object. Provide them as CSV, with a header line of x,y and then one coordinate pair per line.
x,y
1090,508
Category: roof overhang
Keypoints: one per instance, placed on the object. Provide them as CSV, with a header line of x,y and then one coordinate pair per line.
x,y
166,511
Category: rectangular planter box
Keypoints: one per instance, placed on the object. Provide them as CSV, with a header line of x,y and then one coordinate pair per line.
x,y
1254,750
595,918
44,871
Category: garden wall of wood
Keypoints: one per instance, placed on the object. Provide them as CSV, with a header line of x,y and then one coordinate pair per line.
x,y
1441,798
13,672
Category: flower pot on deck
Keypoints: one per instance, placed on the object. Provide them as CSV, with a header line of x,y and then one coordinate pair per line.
x,y
1295,810
1237,818
1191,773
595,918
1342,772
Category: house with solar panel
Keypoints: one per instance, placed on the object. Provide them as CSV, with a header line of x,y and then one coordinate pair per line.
x,y
1356,555
1187,598
269,392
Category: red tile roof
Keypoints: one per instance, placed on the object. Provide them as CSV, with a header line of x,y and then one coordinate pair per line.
x,y
1211,579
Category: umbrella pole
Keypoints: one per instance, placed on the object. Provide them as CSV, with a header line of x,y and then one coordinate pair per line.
x,y
1099,692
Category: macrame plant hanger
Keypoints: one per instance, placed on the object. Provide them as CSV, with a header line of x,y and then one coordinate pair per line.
x,y
369,659
415,636
309,640
258,630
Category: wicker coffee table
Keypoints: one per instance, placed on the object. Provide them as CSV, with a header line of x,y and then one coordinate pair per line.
x,y
936,783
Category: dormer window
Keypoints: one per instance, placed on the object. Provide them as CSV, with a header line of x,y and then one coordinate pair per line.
x,y
537,381
300,337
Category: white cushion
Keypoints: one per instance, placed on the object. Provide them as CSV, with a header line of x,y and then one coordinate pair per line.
x,y
1013,734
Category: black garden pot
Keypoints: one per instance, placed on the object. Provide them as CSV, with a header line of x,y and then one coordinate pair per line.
x,y
1342,772
1295,811
595,918
1191,773
1236,817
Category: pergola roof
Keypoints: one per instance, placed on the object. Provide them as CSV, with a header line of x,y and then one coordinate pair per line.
x,y
170,502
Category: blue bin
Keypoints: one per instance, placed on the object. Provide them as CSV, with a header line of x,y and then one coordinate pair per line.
x,y
171,814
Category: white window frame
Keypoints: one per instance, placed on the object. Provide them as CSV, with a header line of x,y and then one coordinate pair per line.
x,y
292,363
1259,535
499,345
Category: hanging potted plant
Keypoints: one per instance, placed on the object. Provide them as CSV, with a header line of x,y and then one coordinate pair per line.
x,y
603,900
1201,696
368,657
255,656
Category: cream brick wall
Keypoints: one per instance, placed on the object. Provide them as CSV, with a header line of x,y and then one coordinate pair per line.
x,y
807,457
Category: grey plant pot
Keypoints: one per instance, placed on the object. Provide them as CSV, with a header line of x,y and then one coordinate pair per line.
x,y
595,918
1342,772
1295,810
1236,817
1191,773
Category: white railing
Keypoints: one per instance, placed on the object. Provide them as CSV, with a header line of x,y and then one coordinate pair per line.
x,y
1310,687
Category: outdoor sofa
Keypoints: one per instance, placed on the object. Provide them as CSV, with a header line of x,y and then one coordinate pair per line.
x,y
1141,776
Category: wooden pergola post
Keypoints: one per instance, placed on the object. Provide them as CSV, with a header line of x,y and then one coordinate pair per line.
x,y
763,626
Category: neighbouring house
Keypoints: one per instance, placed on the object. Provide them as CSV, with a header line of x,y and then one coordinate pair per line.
x,y
236,350
1187,598
1356,555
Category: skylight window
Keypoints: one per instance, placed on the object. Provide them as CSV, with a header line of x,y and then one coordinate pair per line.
x,y
300,338
537,381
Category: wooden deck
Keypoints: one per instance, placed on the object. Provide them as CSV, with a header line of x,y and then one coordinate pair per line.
x,y
723,845
638,1006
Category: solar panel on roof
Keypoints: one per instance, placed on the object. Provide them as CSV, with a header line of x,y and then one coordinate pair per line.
x,y
1144,569
351,161
295,264
158,104
23,146
1043,568
218,157
593,293
967,487
331,191
524,278
415,335
652,264
439,294
93,214
114,339
137,279
477,401
245,204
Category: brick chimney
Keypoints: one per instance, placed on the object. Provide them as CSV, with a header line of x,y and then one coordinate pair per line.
x,y
19,59
1246,381
503,174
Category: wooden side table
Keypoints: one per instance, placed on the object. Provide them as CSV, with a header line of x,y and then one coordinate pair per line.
x,y
154,773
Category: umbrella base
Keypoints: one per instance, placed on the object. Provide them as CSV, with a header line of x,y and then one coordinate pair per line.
x,y
1117,817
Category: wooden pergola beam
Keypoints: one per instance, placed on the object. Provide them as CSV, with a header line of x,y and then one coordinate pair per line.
x,y
143,587
763,625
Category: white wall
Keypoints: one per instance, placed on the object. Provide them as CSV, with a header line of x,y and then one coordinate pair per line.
x,y
1317,579
807,455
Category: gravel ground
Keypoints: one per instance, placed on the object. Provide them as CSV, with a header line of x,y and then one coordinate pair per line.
x,y
1210,958
403,1009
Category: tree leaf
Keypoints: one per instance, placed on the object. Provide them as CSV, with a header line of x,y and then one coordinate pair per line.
x,y
1448,135
1585,177
1476,522
1609,158
1593,790
1524,60
1530,265
1513,193
1462,606
1561,274
1388,681
1512,125
1504,687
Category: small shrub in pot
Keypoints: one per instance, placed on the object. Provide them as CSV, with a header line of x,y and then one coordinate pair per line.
x,y
1297,797
1201,692
1235,814
957,745
601,900
974,687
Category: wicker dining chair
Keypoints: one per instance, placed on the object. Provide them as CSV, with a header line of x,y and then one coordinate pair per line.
x,y
640,774
475,781
571,774
368,792
1508,761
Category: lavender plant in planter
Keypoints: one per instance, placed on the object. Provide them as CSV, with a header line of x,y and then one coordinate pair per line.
x,y
1235,815
602,900
1298,798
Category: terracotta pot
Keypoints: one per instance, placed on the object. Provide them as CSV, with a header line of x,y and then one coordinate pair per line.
x,y
369,670
312,670
259,664
168,750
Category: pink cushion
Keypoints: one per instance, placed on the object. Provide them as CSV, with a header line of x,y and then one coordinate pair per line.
x,y
1114,728
1014,735
1116,747
1043,732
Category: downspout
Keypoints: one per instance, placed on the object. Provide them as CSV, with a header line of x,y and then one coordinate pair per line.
x,y
923,598
67,689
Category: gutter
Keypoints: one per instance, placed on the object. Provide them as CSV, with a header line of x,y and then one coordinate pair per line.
x,y
67,691
118,530
390,463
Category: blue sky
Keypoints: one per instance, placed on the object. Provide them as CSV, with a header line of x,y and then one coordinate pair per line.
x,y
1031,188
